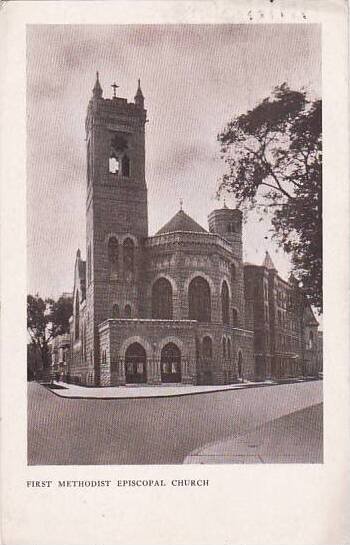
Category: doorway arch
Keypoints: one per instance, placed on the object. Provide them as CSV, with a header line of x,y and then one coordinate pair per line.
x,y
170,363
135,364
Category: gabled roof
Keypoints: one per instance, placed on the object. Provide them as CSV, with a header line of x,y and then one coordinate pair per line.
x,y
181,222
268,263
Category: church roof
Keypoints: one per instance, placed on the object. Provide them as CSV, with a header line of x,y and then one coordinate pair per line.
x,y
268,263
181,222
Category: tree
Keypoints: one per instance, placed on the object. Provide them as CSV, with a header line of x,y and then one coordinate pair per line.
x,y
46,319
274,158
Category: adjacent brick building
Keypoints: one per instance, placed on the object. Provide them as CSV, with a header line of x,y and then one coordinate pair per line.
x,y
178,306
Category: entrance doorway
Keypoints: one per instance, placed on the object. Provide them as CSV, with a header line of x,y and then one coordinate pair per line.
x,y
135,364
170,363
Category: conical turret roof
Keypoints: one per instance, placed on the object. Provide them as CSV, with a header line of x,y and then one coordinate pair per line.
x,y
181,222
268,263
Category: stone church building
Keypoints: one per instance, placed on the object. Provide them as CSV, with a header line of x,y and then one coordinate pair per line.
x,y
179,306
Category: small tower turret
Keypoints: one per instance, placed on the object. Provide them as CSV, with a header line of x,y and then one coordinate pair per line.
x,y
227,223
139,98
97,90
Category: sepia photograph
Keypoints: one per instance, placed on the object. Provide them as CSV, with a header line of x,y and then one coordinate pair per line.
x,y
174,244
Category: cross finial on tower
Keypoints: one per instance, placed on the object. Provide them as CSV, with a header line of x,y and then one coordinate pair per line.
x,y
115,87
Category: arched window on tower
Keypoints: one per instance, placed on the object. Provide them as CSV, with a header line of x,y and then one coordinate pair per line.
x,y
229,349
225,303
128,255
199,300
113,254
115,312
233,273
224,348
126,166
127,311
77,316
311,340
162,300
234,318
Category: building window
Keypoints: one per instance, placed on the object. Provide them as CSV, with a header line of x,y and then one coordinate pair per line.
x,y
88,162
311,340
225,303
127,311
162,300
199,300
126,166
229,348
224,348
233,273
89,263
115,312
234,317
128,255
113,253
77,312
207,348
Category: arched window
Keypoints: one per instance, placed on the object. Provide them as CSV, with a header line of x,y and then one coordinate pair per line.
x,y
115,311
311,339
234,318
233,273
229,348
240,365
113,254
128,255
127,311
225,303
224,348
170,363
77,317
199,300
207,348
135,364
126,166
162,300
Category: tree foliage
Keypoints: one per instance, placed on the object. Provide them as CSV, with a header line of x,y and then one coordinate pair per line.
x,y
46,319
274,158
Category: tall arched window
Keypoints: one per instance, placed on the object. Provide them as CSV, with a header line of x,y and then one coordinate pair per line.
x,y
199,300
114,165
207,348
128,255
113,254
89,263
170,363
311,340
233,273
229,348
115,311
234,318
77,316
225,303
126,166
224,348
127,311
162,300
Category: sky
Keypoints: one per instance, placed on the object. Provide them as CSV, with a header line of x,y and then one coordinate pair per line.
x,y
195,78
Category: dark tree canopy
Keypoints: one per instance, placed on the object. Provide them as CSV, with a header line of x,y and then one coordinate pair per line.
x,y
274,158
46,319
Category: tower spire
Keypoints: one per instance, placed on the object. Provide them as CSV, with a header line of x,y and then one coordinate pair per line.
x,y
97,90
139,98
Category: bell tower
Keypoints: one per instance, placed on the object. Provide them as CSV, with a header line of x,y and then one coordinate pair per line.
x,y
116,210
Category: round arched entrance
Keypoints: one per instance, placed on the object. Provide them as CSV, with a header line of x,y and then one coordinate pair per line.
x,y
135,364
170,363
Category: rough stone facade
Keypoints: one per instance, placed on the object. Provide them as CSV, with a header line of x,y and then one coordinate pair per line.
x,y
179,306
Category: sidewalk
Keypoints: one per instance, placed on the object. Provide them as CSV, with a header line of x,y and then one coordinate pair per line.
x,y
132,391
295,438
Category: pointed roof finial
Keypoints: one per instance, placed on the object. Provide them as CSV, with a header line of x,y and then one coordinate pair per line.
x,y
97,90
139,98
224,203
268,263
181,203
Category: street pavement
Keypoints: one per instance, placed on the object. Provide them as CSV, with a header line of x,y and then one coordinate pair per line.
x,y
159,430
